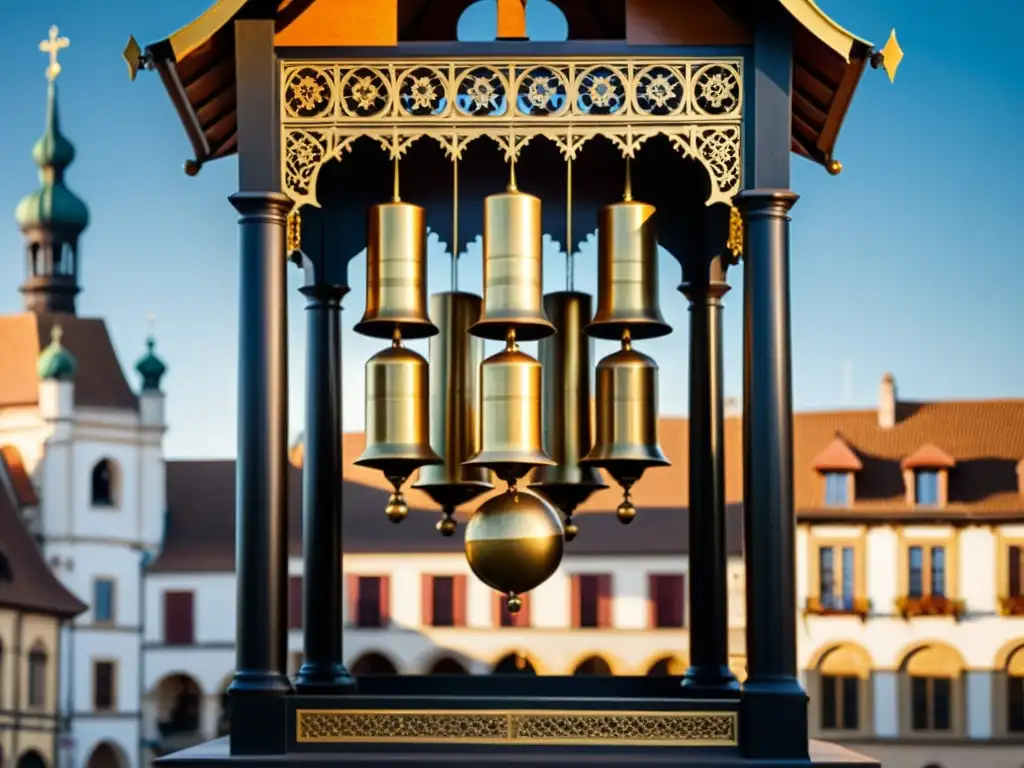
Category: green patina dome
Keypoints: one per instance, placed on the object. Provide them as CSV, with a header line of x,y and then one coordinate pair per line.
x,y
55,362
151,368
53,205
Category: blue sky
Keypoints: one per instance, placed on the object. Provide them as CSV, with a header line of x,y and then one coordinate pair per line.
x,y
910,261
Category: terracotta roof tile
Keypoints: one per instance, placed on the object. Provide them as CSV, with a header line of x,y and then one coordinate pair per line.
x,y
837,457
21,483
99,380
28,583
928,456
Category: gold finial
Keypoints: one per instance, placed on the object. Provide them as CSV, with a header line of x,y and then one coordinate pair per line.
x,y
735,242
834,167
294,238
627,194
132,55
890,56
52,46
56,333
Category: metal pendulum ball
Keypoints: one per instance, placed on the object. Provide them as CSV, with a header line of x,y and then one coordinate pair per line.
x,y
514,540
626,440
397,384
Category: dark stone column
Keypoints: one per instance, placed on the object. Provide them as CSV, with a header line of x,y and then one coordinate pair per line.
x,y
774,718
261,550
323,669
709,672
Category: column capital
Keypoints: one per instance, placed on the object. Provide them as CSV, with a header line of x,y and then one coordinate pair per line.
x,y
771,202
323,293
710,292
274,204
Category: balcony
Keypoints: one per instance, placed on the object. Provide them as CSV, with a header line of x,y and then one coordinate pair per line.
x,y
837,605
912,606
1011,606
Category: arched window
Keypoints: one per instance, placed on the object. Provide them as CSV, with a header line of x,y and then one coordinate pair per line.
x,y
37,661
1015,692
840,685
592,665
5,568
931,691
104,483
514,664
545,22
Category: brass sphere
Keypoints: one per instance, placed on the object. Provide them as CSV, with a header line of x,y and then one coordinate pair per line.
x,y
514,603
396,510
514,542
571,530
626,511
446,526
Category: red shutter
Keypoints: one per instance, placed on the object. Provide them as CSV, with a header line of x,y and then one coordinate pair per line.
x,y
682,600
385,600
426,600
523,617
352,587
178,618
574,600
459,598
496,609
604,600
294,602
653,599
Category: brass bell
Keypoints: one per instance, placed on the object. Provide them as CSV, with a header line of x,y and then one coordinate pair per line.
x,y
627,272
513,266
396,263
510,442
626,443
397,439
567,408
514,543
455,359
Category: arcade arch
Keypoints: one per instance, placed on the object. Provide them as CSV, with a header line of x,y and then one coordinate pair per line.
x,y
107,754
373,663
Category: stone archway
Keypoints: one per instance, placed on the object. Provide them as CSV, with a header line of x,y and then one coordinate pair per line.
x,y
446,665
593,665
514,664
31,759
373,664
179,710
107,754
667,666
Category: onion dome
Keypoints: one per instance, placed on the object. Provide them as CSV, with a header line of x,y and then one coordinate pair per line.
x,y
55,362
151,368
53,206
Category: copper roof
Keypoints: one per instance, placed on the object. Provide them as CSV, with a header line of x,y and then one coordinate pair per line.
x,y
197,63
986,438
26,581
99,379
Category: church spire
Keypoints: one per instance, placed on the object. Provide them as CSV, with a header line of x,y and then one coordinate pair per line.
x,y
52,218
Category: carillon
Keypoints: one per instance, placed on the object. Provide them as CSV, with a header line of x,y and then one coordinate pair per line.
x,y
626,442
514,541
397,384
455,359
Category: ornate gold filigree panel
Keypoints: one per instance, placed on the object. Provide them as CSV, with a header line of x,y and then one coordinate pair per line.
x,y
676,729
697,103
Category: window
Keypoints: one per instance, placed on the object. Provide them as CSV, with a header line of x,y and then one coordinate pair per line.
x,y
840,702
926,571
443,602
368,602
5,568
103,601
1015,571
1015,702
178,618
837,580
37,676
667,600
592,600
103,478
104,680
294,602
931,703
837,488
926,488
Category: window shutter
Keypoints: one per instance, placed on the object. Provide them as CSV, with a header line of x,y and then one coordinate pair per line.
x,y
294,602
178,618
574,598
352,590
522,618
426,600
682,600
385,600
653,599
459,599
604,600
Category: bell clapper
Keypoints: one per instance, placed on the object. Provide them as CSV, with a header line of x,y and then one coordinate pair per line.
x,y
626,511
627,341
397,509
510,341
396,338
571,529
447,526
514,603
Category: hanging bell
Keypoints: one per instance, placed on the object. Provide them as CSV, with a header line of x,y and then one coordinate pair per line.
x,y
514,544
397,439
626,443
513,265
396,263
511,441
455,359
567,407
627,273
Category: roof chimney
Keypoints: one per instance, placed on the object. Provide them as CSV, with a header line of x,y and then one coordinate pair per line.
x,y
887,402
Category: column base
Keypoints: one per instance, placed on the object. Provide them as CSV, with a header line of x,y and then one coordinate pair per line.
x,y
773,720
710,682
249,683
324,679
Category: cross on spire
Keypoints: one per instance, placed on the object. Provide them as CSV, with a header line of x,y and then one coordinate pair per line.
x,y
53,46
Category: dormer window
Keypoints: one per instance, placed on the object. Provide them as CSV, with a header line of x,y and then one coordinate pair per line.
x,y
926,476
837,465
